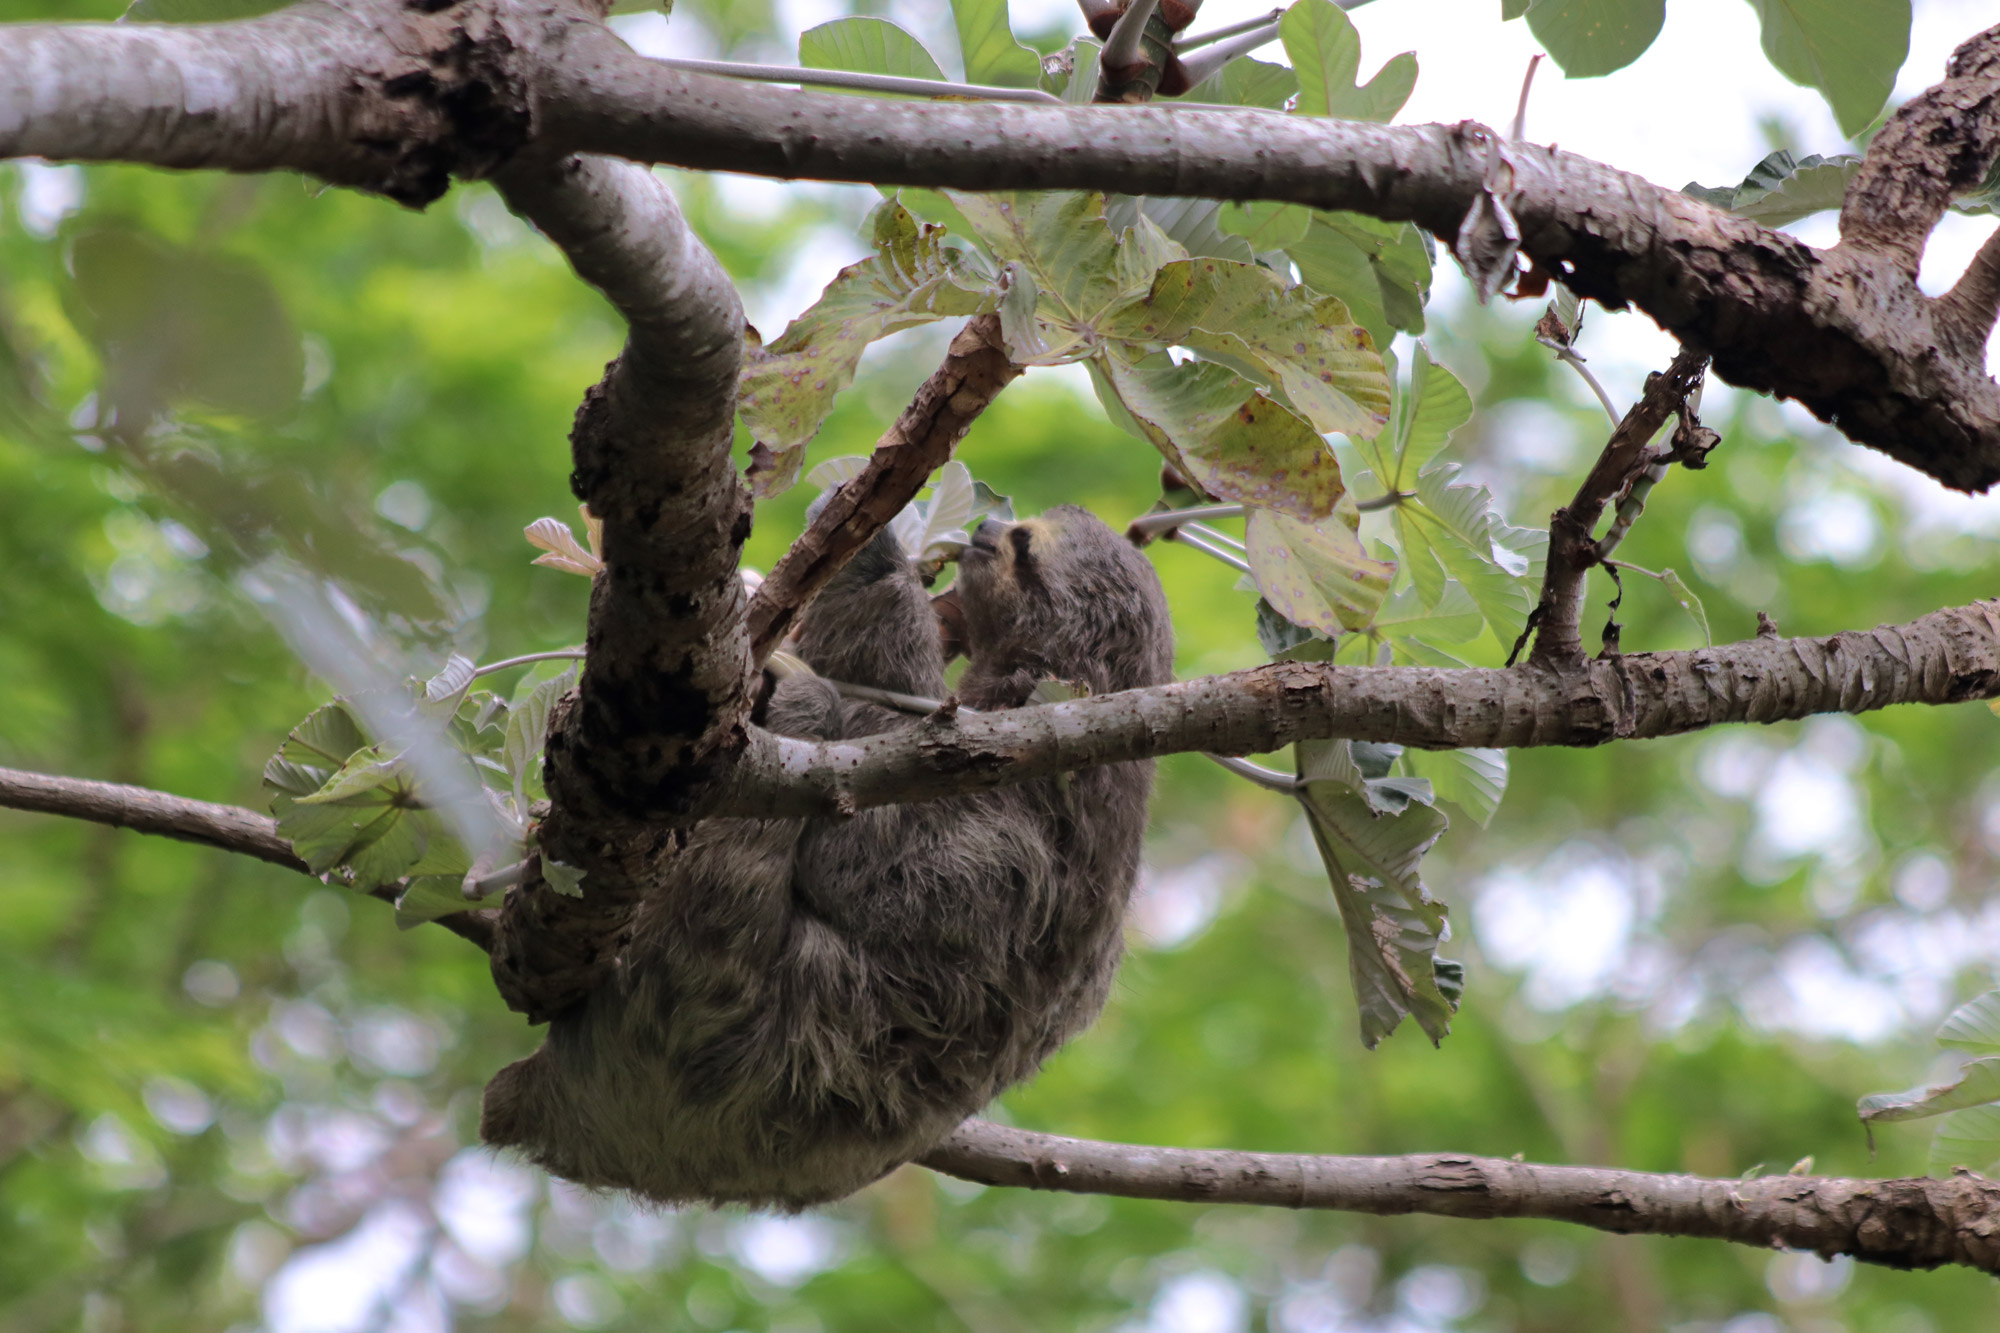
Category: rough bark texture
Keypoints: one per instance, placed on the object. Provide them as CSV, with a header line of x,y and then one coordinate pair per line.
x,y
1572,551
1945,657
391,98
1844,331
974,371
665,693
1908,1223
378,96
228,827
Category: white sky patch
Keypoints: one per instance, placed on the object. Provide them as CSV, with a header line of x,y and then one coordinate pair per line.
x,y
1812,990
1172,907
483,1202
341,1286
785,1251
1565,925
1202,1302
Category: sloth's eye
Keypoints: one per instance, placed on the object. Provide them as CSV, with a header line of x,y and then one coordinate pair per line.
x,y
1021,539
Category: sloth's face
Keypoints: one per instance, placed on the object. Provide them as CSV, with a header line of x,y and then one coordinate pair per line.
x,y
1057,590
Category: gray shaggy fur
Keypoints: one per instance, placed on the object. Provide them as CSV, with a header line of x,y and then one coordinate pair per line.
x,y
807,1004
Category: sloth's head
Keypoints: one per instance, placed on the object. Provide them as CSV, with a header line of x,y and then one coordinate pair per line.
x,y
1063,594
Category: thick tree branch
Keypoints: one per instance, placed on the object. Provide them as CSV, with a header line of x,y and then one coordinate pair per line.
x,y
1945,657
1907,1223
974,371
1572,549
389,98
229,827
376,95
665,693
1843,331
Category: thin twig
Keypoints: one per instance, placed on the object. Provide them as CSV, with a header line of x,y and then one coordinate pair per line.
x,y
1521,111
1949,1221
873,83
1387,501
1196,68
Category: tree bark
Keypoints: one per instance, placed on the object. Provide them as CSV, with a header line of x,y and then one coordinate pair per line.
x,y
1908,1223
1945,657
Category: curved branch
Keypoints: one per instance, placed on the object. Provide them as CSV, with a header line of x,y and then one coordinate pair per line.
x,y
974,371
1907,1223
228,827
1841,331
1945,657
665,693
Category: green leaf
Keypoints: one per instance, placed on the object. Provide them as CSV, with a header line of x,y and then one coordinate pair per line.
x,y
1977,1083
1780,189
1969,1138
1513,9
1588,38
564,879
867,46
1279,636
1974,1026
1849,50
1433,407
1317,574
1474,780
1223,433
1453,618
177,325
1247,82
1382,270
1267,226
1689,603
314,751
789,387
428,897
367,770
1193,224
1456,526
1326,365
528,729
992,55
1325,51
835,471
1393,924
1082,266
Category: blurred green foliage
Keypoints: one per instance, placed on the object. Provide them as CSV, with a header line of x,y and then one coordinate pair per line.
x,y
232,1099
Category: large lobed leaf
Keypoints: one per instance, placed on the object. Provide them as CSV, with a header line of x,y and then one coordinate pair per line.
x,y
912,279
1326,55
1317,574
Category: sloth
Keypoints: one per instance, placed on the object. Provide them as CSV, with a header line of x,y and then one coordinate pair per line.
x,y
806,1004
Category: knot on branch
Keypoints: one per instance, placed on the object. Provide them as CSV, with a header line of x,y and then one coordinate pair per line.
x,y
451,103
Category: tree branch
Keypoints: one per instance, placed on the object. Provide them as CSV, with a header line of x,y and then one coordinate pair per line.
x,y
228,827
367,93
974,371
1945,657
1907,1223
1572,549
1840,331
665,693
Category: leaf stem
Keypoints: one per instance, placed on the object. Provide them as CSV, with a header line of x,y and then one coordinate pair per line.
x,y
1226,556
1387,501
1121,48
1147,524
1184,44
1575,362
1220,538
1268,778
559,655
873,83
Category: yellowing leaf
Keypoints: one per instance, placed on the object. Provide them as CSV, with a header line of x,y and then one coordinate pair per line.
x,y
1317,574
1223,433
